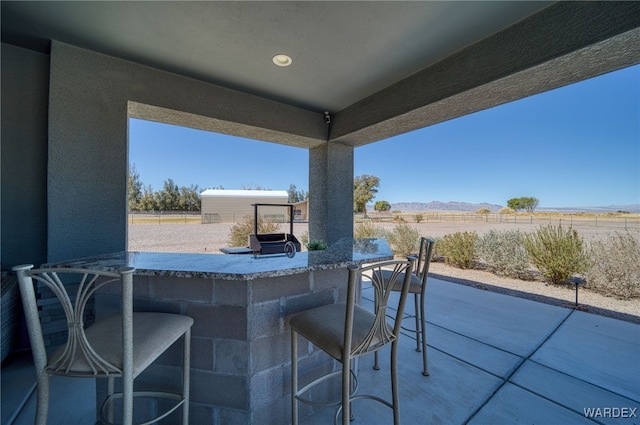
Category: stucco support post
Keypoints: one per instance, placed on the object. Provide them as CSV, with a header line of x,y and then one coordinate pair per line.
x,y
331,192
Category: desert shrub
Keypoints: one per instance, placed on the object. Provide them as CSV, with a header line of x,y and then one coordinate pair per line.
x,y
558,254
436,254
399,219
317,245
404,240
418,217
239,235
366,229
506,210
615,267
503,251
459,249
483,211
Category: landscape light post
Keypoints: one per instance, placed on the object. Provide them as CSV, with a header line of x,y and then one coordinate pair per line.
x,y
577,281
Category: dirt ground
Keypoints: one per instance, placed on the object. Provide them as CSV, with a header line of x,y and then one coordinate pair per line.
x,y
210,238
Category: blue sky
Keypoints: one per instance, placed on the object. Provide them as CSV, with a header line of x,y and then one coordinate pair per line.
x,y
575,146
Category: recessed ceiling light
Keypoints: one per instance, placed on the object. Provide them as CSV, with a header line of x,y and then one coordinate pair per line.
x,y
282,60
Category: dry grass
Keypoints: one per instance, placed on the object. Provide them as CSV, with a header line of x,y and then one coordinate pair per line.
x,y
164,219
616,266
209,238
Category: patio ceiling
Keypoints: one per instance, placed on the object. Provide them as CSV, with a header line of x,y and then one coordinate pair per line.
x,y
379,68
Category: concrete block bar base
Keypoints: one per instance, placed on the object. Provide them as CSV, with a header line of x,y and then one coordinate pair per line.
x,y
240,363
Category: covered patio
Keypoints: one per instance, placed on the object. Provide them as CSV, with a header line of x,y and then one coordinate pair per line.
x,y
74,73
493,359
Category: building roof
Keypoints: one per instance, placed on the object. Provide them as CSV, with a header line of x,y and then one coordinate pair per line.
x,y
245,193
379,69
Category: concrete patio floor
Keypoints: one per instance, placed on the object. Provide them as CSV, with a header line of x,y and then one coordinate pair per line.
x,y
493,359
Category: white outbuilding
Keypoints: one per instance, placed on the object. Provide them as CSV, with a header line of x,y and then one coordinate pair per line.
x,y
231,206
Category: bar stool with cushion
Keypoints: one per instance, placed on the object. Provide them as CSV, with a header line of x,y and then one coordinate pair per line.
x,y
346,331
120,346
417,287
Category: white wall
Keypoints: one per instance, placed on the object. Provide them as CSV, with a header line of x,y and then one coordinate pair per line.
x,y
233,208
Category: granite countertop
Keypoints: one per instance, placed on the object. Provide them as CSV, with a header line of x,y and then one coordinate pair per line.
x,y
341,254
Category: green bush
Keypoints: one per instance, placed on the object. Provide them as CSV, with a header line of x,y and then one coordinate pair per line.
x,y
459,249
317,245
366,229
558,254
504,252
615,267
436,252
418,217
240,231
404,240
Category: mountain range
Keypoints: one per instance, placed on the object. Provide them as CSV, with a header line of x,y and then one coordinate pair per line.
x,y
443,206
472,207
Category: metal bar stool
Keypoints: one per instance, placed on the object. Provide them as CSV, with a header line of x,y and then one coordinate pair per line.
x,y
119,346
417,287
346,331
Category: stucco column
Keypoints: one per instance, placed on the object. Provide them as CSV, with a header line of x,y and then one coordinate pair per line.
x,y
91,97
331,192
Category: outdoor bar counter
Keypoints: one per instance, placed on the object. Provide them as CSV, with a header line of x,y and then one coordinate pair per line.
x,y
240,303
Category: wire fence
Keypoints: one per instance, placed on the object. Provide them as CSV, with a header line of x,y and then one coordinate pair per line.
x,y
614,222
164,217
631,222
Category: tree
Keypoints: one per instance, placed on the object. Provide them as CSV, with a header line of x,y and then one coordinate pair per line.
x,y
168,198
295,195
382,206
364,190
515,204
252,187
189,198
527,203
134,186
530,203
147,201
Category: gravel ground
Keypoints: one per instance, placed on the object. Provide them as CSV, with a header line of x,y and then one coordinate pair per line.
x,y
209,238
